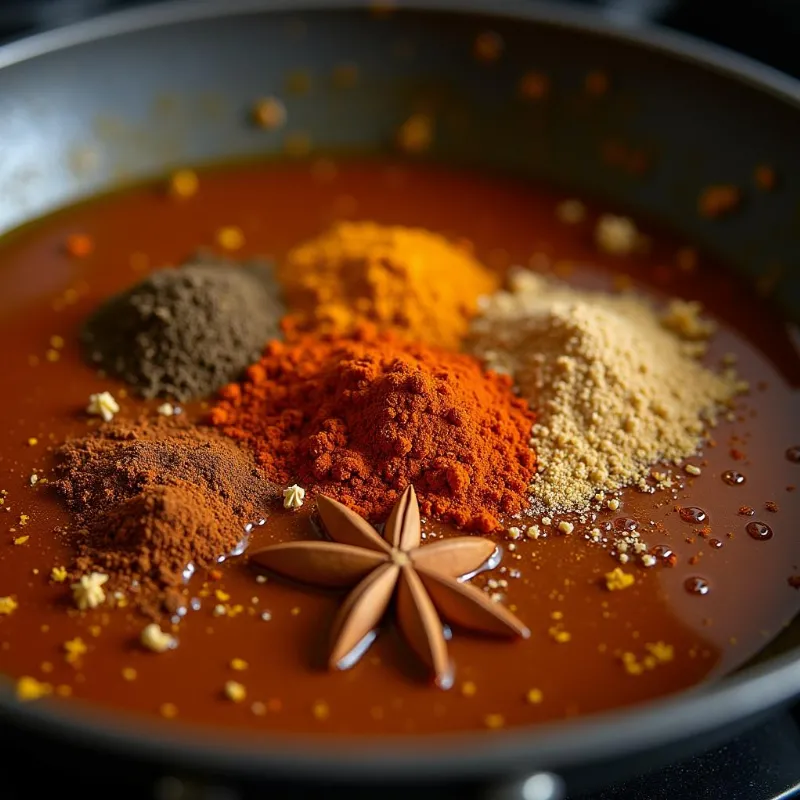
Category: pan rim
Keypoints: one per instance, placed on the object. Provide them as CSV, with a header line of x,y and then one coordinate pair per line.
x,y
698,711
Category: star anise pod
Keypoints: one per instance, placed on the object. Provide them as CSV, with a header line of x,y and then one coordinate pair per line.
x,y
423,580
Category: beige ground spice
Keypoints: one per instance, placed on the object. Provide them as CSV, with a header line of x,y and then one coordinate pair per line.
x,y
615,388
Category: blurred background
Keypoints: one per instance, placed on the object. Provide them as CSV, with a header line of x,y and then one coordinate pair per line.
x,y
764,29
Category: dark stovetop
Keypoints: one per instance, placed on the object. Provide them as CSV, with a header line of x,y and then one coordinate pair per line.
x,y
763,764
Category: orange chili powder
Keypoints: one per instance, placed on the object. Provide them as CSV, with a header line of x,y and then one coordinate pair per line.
x,y
360,419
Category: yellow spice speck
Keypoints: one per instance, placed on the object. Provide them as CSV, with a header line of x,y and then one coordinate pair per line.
x,y
57,342
33,441
8,605
234,691
46,666
230,237
129,673
52,355
168,710
559,636
223,597
29,688
21,539
58,574
661,651
468,688
184,183
74,649
494,721
617,580
239,664
269,113
534,696
321,710
632,667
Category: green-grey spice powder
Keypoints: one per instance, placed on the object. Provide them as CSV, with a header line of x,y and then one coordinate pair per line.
x,y
184,332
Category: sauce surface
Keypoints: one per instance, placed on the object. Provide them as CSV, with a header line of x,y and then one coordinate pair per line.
x,y
554,583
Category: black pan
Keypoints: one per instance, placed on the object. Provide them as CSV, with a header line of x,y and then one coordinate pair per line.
x,y
79,113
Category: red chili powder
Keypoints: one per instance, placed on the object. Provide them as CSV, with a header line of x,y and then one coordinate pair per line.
x,y
360,419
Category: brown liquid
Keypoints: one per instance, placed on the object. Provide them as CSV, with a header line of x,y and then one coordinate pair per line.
x,y
555,583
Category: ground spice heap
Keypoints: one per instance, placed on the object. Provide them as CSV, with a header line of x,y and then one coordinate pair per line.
x,y
616,388
154,496
402,278
360,420
185,332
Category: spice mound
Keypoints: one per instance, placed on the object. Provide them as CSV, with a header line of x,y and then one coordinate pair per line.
x,y
402,278
616,387
155,498
360,420
185,332
160,533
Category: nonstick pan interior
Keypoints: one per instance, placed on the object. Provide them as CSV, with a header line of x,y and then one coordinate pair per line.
x,y
121,99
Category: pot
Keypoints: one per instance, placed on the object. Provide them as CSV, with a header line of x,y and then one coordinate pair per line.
x,y
129,96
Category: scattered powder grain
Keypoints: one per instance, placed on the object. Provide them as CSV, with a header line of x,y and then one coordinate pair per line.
x,y
615,390
185,332
153,497
402,278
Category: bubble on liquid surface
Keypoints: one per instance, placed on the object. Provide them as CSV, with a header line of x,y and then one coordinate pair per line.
x,y
759,530
733,478
697,585
693,514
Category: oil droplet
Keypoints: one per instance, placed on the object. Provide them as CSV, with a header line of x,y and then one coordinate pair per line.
x,y
491,563
693,514
716,543
625,524
696,585
793,454
759,530
662,551
733,478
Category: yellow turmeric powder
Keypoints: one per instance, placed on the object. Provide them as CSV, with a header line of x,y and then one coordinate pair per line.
x,y
407,279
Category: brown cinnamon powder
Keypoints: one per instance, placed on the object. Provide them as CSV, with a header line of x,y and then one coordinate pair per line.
x,y
154,499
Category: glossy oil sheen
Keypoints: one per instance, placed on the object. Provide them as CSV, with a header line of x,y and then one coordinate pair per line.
x,y
559,576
